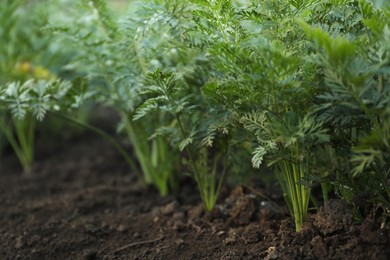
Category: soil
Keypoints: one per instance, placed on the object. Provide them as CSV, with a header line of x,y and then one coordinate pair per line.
x,y
81,202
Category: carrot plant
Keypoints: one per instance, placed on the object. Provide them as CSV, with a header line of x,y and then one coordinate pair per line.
x,y
27,103
262,71
260,76
354,59
28,89
115,57
167,94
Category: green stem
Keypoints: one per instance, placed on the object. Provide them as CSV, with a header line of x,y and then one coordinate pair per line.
x,y
24,131
161,166
141,149
188,150
325,195
20,135
201,182
152,156
291,173
225,165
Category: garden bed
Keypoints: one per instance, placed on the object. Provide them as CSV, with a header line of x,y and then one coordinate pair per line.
x,y
289,98
82,203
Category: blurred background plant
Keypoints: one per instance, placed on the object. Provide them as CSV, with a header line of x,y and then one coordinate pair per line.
x,y
30,65
115,57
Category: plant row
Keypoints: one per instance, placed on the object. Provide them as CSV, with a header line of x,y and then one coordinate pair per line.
x,y
208,87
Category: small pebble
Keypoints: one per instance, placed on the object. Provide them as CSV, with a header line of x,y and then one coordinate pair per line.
x,y
221,233
179,242
121,228
19,242
170,208
230,240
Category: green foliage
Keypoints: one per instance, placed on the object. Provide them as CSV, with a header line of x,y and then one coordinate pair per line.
x,y
27,103
271,80
33,96
115,57
167,94
260,80
299,86
29,86
354,100
27,51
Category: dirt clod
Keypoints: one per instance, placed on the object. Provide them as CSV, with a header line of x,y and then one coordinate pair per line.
x,y
195,212
320,249
242,206
170,208
19,242
333,217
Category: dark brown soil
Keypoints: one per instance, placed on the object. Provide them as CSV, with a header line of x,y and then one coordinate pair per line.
x,y
82,203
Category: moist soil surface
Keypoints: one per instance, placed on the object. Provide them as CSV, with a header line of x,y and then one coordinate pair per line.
x,y
81,202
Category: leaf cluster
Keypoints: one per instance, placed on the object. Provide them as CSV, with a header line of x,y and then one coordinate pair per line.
x,y
292,82
33,96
